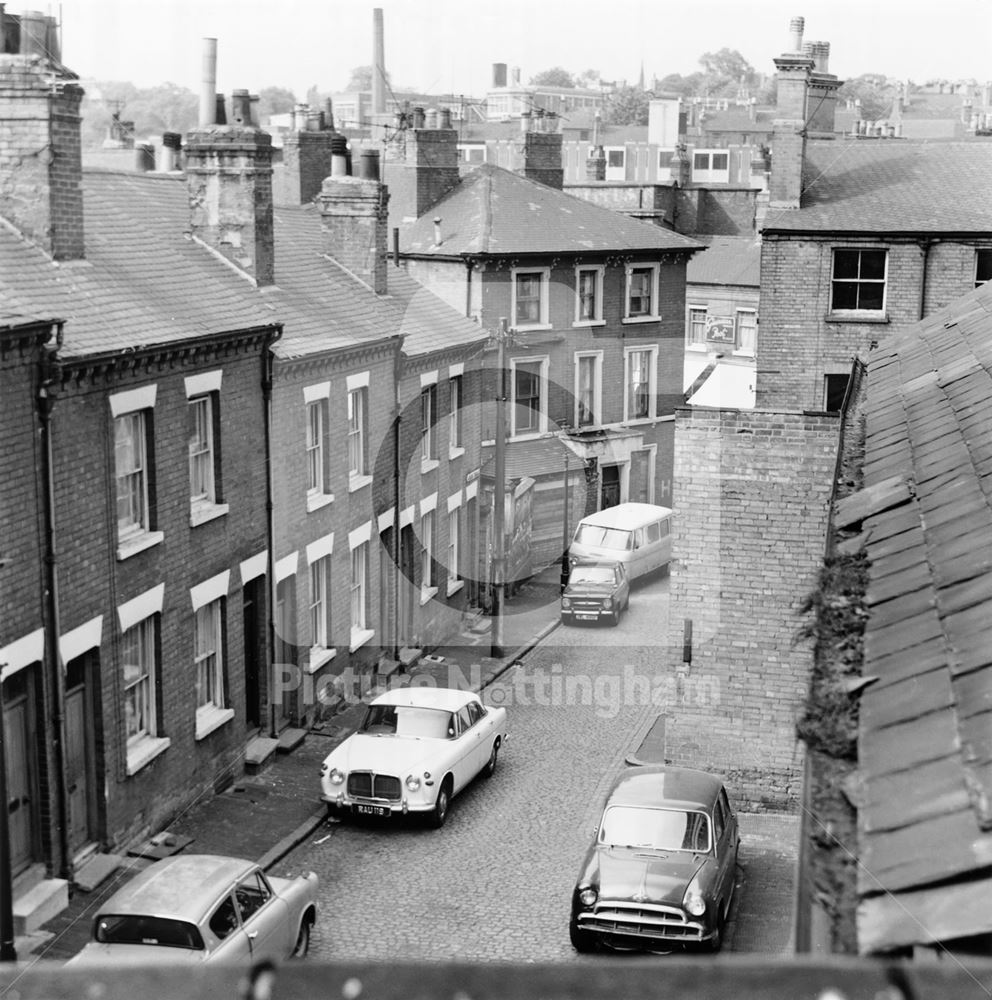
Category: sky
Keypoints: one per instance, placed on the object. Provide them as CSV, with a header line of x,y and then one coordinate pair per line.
x,y
449,46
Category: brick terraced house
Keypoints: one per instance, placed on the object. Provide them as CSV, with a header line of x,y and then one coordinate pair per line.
x,y
203,475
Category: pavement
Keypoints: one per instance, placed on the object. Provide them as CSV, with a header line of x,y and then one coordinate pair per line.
x,y
266,815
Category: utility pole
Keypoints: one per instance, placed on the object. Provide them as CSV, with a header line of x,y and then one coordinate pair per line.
x,y
499,497
8,953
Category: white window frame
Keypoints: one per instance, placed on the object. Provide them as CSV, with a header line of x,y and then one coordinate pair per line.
x,y
739,341
709,173
629,352
456,391
428,427
454,580
542,415
691,344
879,313
320,605
358,425
359,591
543,322
654,315
428,584
208,644
597,319
145,744
201,450
596,357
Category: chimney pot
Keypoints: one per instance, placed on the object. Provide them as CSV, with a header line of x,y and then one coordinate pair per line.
x,y
445,118
437,231
368,164
796,26
418,117
220,114
208,83
240,108
431,118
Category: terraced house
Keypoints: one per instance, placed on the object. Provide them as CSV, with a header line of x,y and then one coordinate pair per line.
x,y
217,488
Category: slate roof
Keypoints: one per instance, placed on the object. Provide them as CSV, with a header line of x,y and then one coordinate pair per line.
x,y
144,282
925,741
893,186
496,211
727,260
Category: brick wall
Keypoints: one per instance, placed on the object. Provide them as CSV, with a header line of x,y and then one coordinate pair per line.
x,y
800,341
751,496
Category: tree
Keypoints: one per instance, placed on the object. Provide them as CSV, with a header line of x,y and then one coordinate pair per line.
x,y
554,77
729,64
361,79
626,106
588,78
875,93
684,86
274,101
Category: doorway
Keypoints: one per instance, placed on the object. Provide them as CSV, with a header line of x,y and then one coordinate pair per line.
x,y
609,486
22,772
82,773
253,619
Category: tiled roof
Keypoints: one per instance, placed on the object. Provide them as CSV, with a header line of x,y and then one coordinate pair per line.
x,y
495,211
727,260
144,282
925,742
893,186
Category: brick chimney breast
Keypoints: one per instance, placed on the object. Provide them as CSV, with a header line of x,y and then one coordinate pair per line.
x,y
353,219
229,180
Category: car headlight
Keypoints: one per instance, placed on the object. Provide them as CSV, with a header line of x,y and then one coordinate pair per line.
x,y
693,900
335,777
566,602
588,896
412,782
607,602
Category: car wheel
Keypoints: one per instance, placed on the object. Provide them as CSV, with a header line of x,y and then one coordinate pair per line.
x,y
334,812
566,619
490,769
615,618
582,941
303,940
440,812
715,943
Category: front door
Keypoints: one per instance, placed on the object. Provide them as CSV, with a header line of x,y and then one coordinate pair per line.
x,y
80,772
253,618
20,804
609,486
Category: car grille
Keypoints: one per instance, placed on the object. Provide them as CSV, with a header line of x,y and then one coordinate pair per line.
x,y
645,920
587,603
368,785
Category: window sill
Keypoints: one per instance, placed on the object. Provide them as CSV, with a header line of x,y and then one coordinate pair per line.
x,y
356,483
210,718
138,543
700,348
428,465
641,319
145,751
589,322
634,421
454,453
319,655
204,511
527,436
454,586
747,355
359,637
856,316
531,326
317,500
426,593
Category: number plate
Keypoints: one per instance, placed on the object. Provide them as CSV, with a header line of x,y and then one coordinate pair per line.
x,y
586,617
372,810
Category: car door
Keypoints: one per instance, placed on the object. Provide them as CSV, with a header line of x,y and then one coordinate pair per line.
x,y
230,942
725,833
622,586
466,748
264,917
482,728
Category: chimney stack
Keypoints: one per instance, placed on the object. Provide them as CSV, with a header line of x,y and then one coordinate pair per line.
x,y
423,165
40,155
353,220
596,165
789,125
378,64
229,181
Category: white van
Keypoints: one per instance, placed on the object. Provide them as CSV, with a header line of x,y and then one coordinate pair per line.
x,y
637,534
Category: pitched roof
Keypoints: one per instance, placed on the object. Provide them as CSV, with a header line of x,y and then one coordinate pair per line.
x,y
496,211
893,186
925,752
727,260
134,287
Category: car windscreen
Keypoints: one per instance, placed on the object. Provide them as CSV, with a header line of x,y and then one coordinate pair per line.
x,y
592,574
408,720
656,829
129,928
603,538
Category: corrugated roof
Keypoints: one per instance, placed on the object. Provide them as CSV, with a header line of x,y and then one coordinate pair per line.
x,y
859,186
925,741
136,286
495,211
727,260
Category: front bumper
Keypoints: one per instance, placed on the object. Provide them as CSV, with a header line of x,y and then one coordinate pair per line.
x,y
385,808
587,613
629,923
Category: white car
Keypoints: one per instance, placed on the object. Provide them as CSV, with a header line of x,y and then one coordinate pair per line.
x,y
416,749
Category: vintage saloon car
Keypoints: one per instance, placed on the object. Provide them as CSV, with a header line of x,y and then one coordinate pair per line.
x,y
200,908
596,591
415,750
661,871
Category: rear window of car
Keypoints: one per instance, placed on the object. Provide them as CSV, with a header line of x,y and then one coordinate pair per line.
x,y
603,538
131,929
655,829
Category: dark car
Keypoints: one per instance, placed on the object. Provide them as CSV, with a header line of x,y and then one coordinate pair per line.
x,y
662,869
595,591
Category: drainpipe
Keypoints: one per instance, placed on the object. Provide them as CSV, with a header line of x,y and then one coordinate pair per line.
x,y
925,253
53,653
270,540
397,471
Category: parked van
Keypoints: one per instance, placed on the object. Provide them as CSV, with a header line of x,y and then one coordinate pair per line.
x,y
637,534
